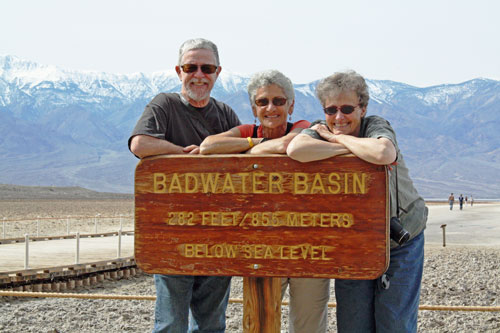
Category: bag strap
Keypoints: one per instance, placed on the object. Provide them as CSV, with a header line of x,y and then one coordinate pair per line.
x,y
254,133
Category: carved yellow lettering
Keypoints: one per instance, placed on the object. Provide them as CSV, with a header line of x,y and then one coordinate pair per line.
x,y
275,220
275,180
247,251
199,250
256,182
323,253
304,250
244,176
333,179
227,219
324,220
214,218
228,184
242,223
266,219
189,250
218,251
346,183
317,185
190,178
359,183
305,220
258,251
231,252
294,252
282,253
205,218
347,220
209,182
255,219
159,182
292,219
300,183
175,184
335,220
269,253
171,218
315,251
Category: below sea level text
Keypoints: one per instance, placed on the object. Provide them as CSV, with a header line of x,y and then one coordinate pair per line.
x,y
256,251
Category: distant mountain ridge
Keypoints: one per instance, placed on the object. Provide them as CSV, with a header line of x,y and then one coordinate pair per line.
x,y
70,128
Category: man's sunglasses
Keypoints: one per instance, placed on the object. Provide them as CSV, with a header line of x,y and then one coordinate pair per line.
x,y
277,101
345,109
206,69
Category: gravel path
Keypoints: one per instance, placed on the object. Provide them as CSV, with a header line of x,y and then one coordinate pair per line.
x,y
458,276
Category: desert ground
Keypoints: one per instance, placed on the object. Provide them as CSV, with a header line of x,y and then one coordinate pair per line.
x,y
464,273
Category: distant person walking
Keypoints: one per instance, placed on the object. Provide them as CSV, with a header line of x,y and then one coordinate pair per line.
x,y
471,200
461,201
451,201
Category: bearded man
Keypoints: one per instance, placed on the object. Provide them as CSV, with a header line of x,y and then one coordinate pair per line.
x,y
177,123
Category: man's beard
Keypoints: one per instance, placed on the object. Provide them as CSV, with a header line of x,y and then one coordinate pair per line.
x,y
196,95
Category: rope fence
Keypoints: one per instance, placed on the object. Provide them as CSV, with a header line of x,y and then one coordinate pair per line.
x,y
231,300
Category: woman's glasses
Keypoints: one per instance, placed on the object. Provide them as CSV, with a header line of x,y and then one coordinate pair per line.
x,y
277,101
206,69
345,109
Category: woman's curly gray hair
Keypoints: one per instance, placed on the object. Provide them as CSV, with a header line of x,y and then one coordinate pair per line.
x,y
267,78
342,82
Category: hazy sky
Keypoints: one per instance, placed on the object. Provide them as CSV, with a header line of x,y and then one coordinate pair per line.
x,y
419,42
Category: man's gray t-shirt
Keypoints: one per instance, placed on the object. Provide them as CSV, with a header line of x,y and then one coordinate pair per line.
x,y
170,117
413,212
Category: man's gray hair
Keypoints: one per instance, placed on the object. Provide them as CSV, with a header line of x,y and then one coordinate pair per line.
x,y
195,44
267,78
343,82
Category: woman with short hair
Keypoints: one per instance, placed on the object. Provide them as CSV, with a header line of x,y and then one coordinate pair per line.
x,y
389,303
272,98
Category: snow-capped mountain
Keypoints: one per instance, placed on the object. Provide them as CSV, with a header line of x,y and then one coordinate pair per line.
x,y
66,128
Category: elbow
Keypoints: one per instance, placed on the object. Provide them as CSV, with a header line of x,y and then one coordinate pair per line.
x,y
291,151
206,148
136,147
386,155
296,154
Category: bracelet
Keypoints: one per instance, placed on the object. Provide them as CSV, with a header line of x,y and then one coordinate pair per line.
x,y
250,142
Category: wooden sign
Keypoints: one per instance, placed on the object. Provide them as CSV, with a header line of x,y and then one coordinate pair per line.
x,y
261,215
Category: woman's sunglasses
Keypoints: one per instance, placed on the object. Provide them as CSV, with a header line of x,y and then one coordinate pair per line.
x,y
345,109
277,101
206,69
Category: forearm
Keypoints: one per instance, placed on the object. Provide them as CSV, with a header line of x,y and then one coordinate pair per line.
x,y
377,151
273,146
225,145
303,148
144,145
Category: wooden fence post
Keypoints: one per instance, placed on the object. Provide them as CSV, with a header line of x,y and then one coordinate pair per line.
x,y
261,305
443,226
26,250
119,253
77,255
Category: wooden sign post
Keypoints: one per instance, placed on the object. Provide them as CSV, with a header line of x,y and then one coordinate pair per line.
x,y
261,216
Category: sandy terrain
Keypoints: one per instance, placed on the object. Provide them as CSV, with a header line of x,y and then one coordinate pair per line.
x,y
464,273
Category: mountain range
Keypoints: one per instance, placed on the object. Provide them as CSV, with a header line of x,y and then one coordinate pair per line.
x,y
70,128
